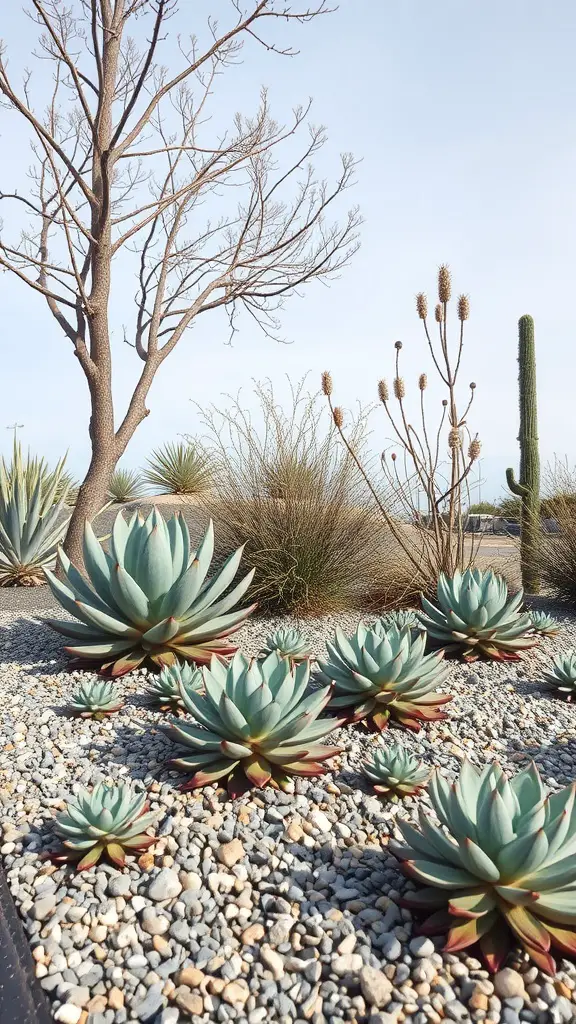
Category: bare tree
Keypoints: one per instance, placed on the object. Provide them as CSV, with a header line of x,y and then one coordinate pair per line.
x,y
124,168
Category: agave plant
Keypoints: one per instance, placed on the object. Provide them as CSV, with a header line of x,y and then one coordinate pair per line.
x,y
96,698
32,521
544,624
256,725
179,469
148,597
381,673
504,856
125,485
110,819
401,617
394,771
290,643
477,618
562,675
164,692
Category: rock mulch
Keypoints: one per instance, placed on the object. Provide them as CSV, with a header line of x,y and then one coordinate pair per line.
x,y
278,907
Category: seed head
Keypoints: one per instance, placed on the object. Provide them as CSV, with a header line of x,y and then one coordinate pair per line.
x,y
454,439
444,402
439,314
338,417
472,385
422,382
463,307
398,345
422,305
383,393
474,449
327,383
444,283
393,456
399,388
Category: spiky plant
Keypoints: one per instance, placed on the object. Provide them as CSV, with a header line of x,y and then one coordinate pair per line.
x,y
545,625
500,864
179,469
476,618
255,725
401,617
290,643
394,771
164,690
125,485
381,673
148,597
562,675
96,698
111,819
32,521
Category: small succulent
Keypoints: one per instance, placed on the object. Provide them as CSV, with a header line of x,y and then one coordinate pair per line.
x,y
148,597
562,675
394,771
401,617
110,819
96,698
164,691
381,673
545,625
290,643
500,865
476,617
255,724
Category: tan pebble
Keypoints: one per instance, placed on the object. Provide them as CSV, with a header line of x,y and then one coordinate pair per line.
x,y
189,1001
169,989
161,945
190,976
146,861
236,993
167,861
253,933
115,998
243,815
230,853
215,985
97,1004
563,989
294,831
100,952
478,1001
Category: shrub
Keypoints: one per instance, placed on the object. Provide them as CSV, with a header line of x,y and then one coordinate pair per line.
x,y
125,485
557,551
179,469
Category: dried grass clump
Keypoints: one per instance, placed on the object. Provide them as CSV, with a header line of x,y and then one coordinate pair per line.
x,y
556,556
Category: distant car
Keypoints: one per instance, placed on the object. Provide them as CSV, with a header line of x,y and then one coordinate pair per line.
x,y
512,528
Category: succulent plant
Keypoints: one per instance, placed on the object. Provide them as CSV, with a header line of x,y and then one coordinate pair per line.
x,y
394,771
148,598
255,724
96,698
502,855
125,485
111,819
31,521
164,691
477,618
544,624
562,675
182,468
290,643
401,617
381,673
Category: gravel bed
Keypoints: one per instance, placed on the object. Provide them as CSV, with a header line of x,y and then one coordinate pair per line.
x,y
276,907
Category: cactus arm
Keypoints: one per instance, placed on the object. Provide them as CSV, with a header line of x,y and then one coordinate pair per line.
x,y
528,486
518,489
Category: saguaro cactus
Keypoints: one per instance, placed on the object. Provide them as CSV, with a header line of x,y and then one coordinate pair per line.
x,y
528,487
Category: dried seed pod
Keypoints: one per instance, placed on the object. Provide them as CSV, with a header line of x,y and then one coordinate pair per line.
x,y
439,314
463,307
399,388
327,384
474,449
393,456
422,305
422,382
338,417
454,439
383,393
444,283
398,345
472,385
444,402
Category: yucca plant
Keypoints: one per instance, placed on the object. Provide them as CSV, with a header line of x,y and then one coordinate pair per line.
x,y
290,643
32,522
401,617
111,819
476,618
394,771
256,725
381,673
500,864
545,625
148,597
96,698
562,675
179,469
125,485
164,690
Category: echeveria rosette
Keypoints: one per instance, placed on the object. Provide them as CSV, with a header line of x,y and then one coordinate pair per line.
x,y
393,771
164,690
96,698
400,617
255,724
110,819
501,864
562,676
148,597
290,643
381,673
476,618
544,625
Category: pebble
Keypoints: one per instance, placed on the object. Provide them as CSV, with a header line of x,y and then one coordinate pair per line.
x,y
508,983
230,853
165,886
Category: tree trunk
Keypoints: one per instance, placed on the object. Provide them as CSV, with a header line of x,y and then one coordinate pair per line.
x,y
91,498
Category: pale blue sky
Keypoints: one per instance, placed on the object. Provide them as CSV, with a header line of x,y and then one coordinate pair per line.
x,y
463,117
